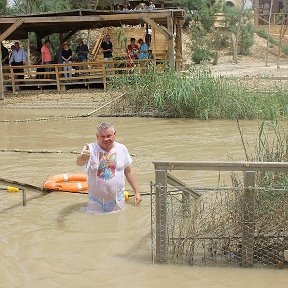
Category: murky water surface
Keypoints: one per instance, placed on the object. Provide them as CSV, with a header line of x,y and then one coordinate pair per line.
x,y
52,243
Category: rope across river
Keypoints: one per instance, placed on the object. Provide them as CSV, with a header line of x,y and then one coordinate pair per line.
x,y
63,116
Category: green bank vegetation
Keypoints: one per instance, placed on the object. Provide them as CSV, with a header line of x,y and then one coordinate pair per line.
x,y
271,145
199,94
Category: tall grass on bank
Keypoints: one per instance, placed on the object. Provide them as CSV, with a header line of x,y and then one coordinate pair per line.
x,y
199,94
271,200
272,146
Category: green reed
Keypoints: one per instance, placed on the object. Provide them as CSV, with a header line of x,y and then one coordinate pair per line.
x,y
199,94
271,145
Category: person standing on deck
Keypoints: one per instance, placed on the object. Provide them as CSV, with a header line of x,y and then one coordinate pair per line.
x,y
5,59
67,59
106,163
5,55
82,52
107,48
46,57
143,50
18,58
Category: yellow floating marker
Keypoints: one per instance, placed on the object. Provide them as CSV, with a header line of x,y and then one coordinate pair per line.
x,y
12,189
126,195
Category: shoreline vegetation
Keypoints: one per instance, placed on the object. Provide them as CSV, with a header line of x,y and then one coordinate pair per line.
x,y
201,95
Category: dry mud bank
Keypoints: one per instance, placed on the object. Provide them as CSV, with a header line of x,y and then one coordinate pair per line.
x,y
78,99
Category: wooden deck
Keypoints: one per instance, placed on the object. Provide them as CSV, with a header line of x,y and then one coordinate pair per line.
x,y
84,73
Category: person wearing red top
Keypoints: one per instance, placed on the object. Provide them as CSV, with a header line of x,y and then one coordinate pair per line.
x,y
132,49
46,57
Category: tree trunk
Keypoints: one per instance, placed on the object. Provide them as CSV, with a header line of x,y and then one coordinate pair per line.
x,y
283,30
267,43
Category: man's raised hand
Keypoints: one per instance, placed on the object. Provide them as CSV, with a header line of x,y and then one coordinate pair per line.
x,y
85,155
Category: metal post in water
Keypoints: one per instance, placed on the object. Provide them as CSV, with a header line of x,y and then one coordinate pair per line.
x,y
23,197
161,216
248,226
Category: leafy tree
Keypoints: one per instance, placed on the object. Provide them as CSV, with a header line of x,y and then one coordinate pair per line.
x,y
202,11
239,22
3,7
20,7
201,15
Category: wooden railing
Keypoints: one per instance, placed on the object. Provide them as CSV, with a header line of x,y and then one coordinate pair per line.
x,y
276,19
87,73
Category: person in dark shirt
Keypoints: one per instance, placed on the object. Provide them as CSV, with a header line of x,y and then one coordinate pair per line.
x,y
82,51
107,48
5,55
5,59
67,57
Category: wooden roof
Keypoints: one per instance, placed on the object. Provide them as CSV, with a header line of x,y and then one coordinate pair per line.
x,y
64,22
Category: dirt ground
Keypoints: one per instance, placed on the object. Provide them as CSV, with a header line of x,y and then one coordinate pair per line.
x,y
252,65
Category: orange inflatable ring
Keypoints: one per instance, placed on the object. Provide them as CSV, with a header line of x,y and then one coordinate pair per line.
x,y
67,182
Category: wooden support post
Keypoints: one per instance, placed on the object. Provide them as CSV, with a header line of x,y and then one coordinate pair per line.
x,y
29,56
154,46
13,80
161,216
178,45
104,75
57,78
234,46
88,43
39,41
248,219
171,58
1,77
60,39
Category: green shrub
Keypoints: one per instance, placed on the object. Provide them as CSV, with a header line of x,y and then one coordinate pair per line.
x,y
264,34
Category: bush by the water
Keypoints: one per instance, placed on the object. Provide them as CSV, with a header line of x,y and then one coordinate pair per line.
x,y
199,94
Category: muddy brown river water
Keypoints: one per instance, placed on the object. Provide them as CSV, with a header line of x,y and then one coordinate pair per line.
x,y
51,242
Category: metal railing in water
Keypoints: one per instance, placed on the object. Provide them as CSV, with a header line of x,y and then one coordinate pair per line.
x,y
244,224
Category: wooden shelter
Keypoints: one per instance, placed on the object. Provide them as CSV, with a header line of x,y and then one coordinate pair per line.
x,y
167,22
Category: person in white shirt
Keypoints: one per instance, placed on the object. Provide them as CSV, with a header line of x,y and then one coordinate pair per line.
x,y
18,58
107,163
151,6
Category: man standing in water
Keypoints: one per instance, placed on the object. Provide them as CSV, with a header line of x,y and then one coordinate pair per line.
x,y
106,163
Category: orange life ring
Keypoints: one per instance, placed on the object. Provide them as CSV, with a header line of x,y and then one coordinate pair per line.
x,y
67,182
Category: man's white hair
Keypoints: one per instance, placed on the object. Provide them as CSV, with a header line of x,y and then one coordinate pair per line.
x,y
105,126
